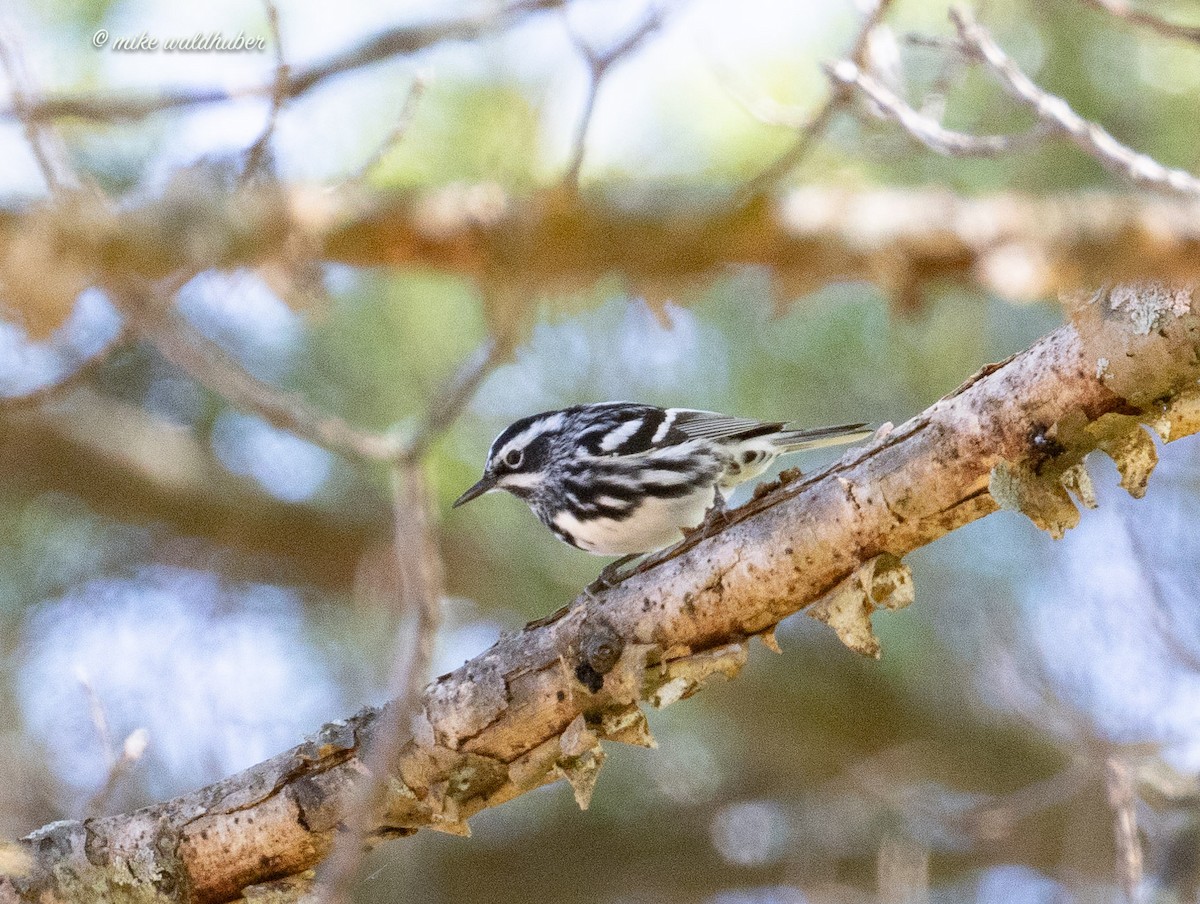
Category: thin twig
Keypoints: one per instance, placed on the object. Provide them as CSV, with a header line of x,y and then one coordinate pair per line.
x,y
46,145
446,404
153,318
420,592
598,66
408,109
1089,137
58,388
394,42
1122,798
1122,10
924,128
814,130
119,767
257,153
118,764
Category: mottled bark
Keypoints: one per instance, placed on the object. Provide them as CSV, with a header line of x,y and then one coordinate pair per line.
x,y
535,706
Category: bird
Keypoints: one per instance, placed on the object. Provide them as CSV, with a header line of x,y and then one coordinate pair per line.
x,y
626,479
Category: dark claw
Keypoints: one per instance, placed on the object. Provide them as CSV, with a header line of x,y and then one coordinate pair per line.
x,y
611,575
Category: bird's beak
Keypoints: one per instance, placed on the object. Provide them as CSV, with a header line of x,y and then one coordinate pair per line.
x,y
486,482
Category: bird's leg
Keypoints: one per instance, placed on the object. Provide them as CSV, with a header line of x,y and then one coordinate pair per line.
x,y
610,576
716,514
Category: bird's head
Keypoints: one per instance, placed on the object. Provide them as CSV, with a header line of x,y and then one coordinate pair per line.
x,y
520,458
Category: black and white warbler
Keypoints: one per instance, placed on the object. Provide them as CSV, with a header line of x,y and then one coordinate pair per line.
x,y
618,478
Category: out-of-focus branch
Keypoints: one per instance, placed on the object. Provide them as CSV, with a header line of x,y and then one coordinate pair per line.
x,y
258,152
63,385
400,41
927,130
420,584
1122,798
599,64
1017,247
536,705
446,404
153,318
47,147
1122,10
1089,137
403,120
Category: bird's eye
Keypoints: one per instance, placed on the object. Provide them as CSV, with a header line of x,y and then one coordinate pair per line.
x,y
513,458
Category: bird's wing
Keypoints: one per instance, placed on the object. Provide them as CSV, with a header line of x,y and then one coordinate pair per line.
x,y
693,424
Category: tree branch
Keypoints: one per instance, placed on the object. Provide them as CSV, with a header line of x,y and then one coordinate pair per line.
x,y
925,129
813,131
535,706
1089,137
400,41
1122,10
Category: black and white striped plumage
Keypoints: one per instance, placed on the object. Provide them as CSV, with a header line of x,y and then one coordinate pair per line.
x,y
620,478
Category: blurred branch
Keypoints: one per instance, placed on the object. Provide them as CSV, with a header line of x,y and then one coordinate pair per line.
x,y
1122,798
536,706
119,766
258,153
927,130
1089,137
46,145
51,392
180,343
814,130
446,405
400,41
420,586
403,120
599,64
119,763
1017,247
1122,10
125,463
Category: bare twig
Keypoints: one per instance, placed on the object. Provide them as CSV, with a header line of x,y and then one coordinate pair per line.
x,y
1122,10
118,764
152,317
394,42
599,63
407,110
926,129
446,404
258,153
1091,138
420,591
1122,798
814,130
60,387
46,145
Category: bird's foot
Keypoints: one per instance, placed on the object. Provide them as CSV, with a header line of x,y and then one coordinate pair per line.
x,y
610,576
716,517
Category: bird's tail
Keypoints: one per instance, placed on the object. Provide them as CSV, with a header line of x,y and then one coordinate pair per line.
x,y
816,437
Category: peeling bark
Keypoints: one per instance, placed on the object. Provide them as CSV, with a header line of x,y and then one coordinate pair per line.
x,y
536,706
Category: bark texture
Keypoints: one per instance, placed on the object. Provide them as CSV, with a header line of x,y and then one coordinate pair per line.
x,y
535,706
